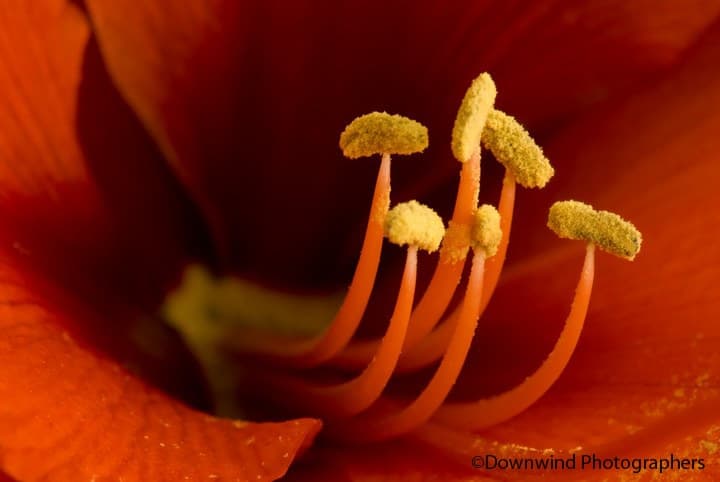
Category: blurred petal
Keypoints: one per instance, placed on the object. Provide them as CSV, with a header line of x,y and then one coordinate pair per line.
x,y
83,188
247,98
68,414
85,197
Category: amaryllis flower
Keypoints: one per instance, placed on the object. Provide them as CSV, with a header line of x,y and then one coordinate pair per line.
x,y
138,138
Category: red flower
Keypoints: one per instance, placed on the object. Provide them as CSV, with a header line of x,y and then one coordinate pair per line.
x,y
243,103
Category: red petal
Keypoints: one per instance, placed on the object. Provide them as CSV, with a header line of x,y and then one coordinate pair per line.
x,y
67,414
84,190
248,99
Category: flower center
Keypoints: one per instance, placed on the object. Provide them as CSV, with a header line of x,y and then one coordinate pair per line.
x,y
286,336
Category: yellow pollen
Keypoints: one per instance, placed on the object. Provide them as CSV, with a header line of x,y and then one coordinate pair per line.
x,y
383,133
471,116
414,224
456,242
511,145
610,232
486,232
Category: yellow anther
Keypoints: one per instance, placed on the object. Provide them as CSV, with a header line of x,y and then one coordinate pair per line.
x,y
456,242
511,145
486,232
383,133
610,232
414,224
471,116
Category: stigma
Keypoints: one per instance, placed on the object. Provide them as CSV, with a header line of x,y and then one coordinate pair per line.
x,y
425,328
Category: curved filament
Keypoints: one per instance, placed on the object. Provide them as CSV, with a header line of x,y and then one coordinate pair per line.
x,y
356,395
308,353
444,281
431,348
419,411
491,411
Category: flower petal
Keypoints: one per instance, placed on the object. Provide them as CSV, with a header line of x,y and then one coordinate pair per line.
x,y
68,414
83,188
243,96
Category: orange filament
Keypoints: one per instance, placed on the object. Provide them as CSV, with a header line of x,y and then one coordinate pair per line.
x,y
425,405
432,347
358,394
487,412
445,279
313,352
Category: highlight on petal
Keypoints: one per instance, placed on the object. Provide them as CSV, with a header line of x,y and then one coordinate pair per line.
x,y
68,414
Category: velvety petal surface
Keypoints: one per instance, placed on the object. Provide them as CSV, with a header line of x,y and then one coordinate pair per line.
x,y
68,414
85,196
247,98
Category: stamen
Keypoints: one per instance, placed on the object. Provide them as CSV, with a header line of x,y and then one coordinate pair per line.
x,y
486,231
511,145
486,234
471,116
383,133
610,232
410,224
568,219
433,346
446,276
486,412
414,224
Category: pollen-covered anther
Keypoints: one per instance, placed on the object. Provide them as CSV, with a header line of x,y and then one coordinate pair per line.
x,y
472,115
608,231
512,146
383,133
415,225
456,242
486,232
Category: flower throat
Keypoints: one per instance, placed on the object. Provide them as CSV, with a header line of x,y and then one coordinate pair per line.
x,y
422,330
